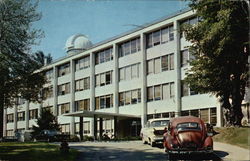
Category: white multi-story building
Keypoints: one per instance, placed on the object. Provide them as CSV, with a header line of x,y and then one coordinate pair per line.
x,y
118,84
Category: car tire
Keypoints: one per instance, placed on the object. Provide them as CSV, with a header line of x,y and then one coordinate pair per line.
x,y
152,143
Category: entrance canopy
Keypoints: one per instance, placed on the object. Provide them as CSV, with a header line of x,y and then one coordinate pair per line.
x,y
101,115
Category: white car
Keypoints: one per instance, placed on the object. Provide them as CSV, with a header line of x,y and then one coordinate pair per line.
x,y
152,132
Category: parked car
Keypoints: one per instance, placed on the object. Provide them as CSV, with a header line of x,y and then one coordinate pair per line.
x,y
153,131
51,135
187,135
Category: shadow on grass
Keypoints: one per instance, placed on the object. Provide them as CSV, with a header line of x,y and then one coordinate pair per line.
x,y
33,152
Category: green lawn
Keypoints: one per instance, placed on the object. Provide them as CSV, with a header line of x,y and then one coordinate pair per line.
x,y
34,152
234,136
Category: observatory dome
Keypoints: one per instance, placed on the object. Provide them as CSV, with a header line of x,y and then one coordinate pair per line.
x,y
77,43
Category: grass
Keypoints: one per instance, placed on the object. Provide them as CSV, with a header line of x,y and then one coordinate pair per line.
x,y
34,152
234,136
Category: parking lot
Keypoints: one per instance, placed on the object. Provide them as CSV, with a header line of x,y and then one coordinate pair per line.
x,y
127,150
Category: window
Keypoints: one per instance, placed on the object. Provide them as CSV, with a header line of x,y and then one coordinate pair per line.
x,y
103,79
189,21
213,116
160,36
157,65
150,94
82,63
86,127
157,92
160,64
48,108
204,115
184,89
20,116
129,72
49,74
172,90
65,128
160,92
9,132
104,56
82,105
171,61
77,128
63,69
184,58
129,47
103,102
63,89
130,97
10,118
63,108
121,99
194,113
47,92
82,84
33,114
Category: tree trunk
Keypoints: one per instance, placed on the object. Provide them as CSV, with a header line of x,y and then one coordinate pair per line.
x,y
226,107
1,113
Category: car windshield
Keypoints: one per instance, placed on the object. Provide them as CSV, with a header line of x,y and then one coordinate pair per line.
x,y
159,123
188,126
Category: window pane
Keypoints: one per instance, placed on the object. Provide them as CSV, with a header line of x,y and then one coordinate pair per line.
x,y
108,102
164,35
128,73
121,99
172,62
150,94
134,71
172,90
184,89
97,80
102,79
138,44
184,58
157,92
149,40
150,66
133,46
156,38
102,102
108,77
164,63
127,48
127,98
157,65
171,33
121,74
102,57
97,103
134,96
107,55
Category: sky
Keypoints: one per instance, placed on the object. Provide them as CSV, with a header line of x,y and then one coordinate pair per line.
x,y
97,19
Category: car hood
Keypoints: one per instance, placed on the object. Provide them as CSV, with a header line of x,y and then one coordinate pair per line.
x,y
186,138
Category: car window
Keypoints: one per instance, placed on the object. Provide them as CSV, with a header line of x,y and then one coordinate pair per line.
x,y
188,126
159,123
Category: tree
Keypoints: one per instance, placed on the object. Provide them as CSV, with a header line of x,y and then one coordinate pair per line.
x,y
220,47
17,65
46,121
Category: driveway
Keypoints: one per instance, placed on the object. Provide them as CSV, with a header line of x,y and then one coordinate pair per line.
x,y
126,151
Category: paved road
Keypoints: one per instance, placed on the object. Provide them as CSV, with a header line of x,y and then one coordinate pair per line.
x,y
126,151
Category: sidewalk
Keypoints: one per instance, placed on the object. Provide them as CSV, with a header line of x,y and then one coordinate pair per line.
x,y
229,152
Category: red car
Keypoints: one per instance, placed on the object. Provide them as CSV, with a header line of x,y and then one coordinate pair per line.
x,y
187,135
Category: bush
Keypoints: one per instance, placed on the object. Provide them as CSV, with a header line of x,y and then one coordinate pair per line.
x,y
74,138
88,138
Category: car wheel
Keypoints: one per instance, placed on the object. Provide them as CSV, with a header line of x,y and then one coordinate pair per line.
x,y
171,156
152,143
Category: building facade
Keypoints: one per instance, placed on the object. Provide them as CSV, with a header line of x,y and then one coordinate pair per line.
x,y
135,76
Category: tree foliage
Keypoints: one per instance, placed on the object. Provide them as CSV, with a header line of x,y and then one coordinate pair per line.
x,y
220,47
17,65
46,121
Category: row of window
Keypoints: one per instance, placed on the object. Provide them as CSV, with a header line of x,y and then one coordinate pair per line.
x,y
103,79
82,84
129,47
160,36
63,108
129,72
63,89
160,92
130,97
33,114
82,105
102,102
160,64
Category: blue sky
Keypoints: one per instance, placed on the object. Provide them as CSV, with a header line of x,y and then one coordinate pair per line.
x,y
97,19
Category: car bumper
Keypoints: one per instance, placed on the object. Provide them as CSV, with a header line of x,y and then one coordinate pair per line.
x,y
157,139
190,152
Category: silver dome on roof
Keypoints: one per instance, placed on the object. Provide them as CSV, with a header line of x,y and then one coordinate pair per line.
x,y
77,43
